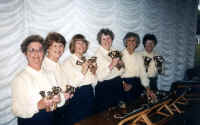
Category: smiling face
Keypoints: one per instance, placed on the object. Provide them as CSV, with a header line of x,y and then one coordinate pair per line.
x,y
149,46
55,51
131,44
34,55
80,47
106,42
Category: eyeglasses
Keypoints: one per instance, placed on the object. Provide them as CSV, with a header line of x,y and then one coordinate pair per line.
x,y
32,50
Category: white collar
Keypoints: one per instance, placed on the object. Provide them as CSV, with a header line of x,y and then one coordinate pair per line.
x,y
33,71
104,50
148,54
126,51
50,61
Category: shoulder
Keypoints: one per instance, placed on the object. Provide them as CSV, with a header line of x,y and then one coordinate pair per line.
x,y
98,52
142,53
139,55
21,77
123,51
155,53
68,61
45,64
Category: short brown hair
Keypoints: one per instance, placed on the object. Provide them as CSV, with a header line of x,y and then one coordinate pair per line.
x,y
29,40
54,37
75,38
129,35
106,32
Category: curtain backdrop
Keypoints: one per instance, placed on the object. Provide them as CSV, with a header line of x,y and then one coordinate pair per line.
x,y
172,21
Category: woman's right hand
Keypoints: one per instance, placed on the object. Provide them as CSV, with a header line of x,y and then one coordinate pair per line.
x,y
45,103
127,87
68,95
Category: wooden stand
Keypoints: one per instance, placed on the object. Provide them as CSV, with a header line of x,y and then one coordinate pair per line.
x,y
144,115
179,100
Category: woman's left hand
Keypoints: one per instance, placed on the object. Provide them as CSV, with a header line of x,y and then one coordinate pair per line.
x,y
151,94
85,66
56,98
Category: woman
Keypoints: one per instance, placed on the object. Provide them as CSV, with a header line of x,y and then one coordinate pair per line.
x,y
134,78
109,90
79,75
55,45
27,103
149,42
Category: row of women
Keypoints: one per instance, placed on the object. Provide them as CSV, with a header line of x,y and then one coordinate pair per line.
x,y
101,81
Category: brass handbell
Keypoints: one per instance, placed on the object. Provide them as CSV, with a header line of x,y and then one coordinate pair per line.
x,y
81,61
49,96
56,91
147,61
159,63
116,54
91,61
43,94
70,89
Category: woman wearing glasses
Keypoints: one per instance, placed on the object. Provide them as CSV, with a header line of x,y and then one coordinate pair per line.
x,y
27,104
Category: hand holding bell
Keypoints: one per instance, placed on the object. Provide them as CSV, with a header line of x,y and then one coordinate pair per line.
x,y
159,63
147,61
116,55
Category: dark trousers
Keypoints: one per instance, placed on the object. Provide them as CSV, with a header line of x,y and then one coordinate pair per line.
x,y
41,118
153,83
135,91
80,106
108,93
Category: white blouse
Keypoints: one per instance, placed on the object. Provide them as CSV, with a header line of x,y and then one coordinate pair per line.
x,y
50,66
25,91
134,67
103,62
152,70
73,72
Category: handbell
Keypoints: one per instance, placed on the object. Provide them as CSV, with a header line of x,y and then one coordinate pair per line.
x,y
81,61
56,90
147,61
70,89
159,63
43,94
159,59
115,54
92,59
92,62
